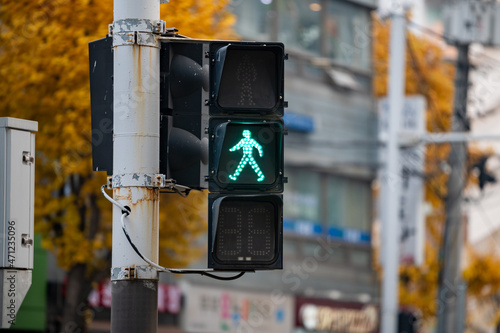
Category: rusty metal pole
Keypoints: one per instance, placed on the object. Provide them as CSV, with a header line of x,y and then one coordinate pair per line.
x,y
135,164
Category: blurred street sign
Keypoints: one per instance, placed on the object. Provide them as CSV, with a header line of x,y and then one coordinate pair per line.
x,y
410,179
224,310
468,22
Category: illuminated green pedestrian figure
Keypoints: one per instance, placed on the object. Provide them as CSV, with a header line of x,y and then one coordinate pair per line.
x,y
247,144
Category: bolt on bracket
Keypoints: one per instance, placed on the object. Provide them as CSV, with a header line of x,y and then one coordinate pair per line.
x,y
28,158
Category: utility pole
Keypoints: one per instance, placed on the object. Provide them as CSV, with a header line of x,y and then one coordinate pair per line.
x,y
134,306
450,277
391,189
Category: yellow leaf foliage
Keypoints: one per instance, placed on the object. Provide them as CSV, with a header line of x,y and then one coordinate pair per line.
x,y
182,220
429,75
45,77
482,274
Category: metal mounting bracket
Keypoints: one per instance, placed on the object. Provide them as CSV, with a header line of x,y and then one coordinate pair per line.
x,y
134,272
138,180
137,31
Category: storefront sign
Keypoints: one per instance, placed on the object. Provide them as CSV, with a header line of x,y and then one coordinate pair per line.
x,y
215,310
349,235
302,227
336,317
299,122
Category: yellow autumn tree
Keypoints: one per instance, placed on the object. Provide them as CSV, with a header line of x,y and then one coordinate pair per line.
x,y
45,77
483,284
428,74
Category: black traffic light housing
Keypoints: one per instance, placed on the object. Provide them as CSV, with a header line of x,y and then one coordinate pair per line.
x,y
224,99
221,127
184,114
246,103
247,78
245,232
101,103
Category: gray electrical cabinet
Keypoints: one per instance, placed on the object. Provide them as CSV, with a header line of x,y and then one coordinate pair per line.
x,y
17,195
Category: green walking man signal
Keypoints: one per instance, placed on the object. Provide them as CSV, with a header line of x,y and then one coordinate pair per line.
x,y
245,204
247,144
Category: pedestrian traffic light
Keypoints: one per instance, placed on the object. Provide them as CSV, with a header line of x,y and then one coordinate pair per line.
x,y
246,105
245,232
221,128
246,155
221,105
246,133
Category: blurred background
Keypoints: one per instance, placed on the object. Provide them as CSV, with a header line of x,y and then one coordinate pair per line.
x,y
335,83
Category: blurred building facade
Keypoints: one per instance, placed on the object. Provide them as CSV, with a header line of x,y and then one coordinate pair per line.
x,y
330,162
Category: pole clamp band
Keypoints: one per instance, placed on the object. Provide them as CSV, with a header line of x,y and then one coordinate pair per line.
x,y
134,272
137,31
138,180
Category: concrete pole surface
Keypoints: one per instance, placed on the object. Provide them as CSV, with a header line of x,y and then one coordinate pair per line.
x,y
392,177
450,278
135,162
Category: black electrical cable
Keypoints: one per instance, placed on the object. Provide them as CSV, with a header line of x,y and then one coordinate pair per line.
x,y
173,270
126,212
206,273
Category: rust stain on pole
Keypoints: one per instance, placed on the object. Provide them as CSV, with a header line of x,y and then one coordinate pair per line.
x,y
142,199
138,49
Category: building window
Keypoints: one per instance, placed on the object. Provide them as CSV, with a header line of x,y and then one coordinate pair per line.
x,y
347,33
300,24
318,204
348,203
254,18
342,28
302,196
